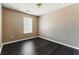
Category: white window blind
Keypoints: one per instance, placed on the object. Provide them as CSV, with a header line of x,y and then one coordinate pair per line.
x,y
27,25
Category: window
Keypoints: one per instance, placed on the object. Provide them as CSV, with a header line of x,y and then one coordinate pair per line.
x,y
27,25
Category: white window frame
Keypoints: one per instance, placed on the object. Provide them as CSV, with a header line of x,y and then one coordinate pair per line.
x,y
27,25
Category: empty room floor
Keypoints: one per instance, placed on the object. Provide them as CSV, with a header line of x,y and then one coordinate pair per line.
x,y
37,46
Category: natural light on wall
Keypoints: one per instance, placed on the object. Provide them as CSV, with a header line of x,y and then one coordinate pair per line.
x,y
27,25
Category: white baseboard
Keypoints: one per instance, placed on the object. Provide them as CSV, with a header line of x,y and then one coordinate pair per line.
x,y
18,40
60,43
1,48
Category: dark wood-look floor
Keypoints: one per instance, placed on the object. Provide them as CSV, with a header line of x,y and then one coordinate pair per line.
x,y
37,46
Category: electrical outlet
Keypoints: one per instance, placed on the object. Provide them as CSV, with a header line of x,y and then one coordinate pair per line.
x,y
11,36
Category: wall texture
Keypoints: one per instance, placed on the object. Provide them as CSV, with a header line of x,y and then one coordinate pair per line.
x,y
13,25
0,24
61,25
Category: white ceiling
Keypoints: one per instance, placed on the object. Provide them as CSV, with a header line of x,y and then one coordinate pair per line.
x,y
34,10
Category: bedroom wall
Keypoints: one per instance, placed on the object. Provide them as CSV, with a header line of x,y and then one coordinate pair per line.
x,y
61,25
0,24
13,25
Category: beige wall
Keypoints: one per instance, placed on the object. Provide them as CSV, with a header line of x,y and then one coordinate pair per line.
x,y
61,25
13,25
0,24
